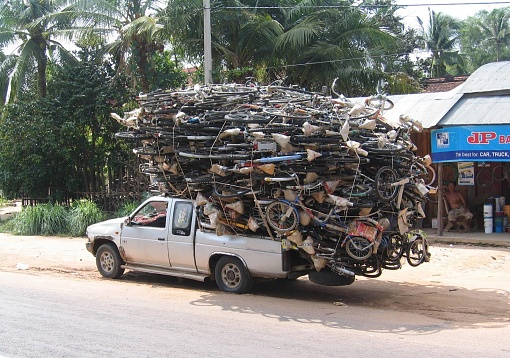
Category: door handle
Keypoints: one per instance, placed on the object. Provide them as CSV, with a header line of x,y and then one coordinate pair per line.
x,y
161,239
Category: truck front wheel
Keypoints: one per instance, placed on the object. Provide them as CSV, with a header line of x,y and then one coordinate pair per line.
x,y
232,276
108,261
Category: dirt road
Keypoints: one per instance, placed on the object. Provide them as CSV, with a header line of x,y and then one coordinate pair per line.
x,y
465,284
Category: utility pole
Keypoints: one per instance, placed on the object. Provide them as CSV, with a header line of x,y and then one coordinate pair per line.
x,y
207,43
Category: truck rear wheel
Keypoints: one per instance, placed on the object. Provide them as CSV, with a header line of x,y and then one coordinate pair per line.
x,y
108,261
232,276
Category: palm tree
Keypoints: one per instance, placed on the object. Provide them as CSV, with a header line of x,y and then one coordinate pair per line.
x,y
328,42
242,35
27,25
495,28
131,30
441,38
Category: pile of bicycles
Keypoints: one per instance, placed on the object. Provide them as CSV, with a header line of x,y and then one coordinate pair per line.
x,y
329,177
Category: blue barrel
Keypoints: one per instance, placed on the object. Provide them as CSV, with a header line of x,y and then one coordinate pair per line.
x,y
498,221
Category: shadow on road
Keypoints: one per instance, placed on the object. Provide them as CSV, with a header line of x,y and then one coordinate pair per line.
x,y
422,309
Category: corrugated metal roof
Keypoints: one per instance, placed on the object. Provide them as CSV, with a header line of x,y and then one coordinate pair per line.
x,y
493,76
471,110
428,108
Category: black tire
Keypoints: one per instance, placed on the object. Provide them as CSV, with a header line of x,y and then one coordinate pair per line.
x,y
395,247
359,248
416,252
108,261
383,179
274,213
232,276
326,277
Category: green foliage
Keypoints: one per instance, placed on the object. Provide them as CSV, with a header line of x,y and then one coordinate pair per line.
x,y
65,141
82,214
441,38
41,219
485,37
165,72
126,209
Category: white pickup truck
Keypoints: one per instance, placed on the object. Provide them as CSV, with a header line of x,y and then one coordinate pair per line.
x,y
162,236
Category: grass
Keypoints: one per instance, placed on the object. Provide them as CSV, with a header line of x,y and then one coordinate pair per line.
x,y
53,219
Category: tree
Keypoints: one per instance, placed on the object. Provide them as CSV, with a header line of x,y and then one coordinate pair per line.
x,y
65,141
485,37
242,35
335,40
441,38
136,29
28,25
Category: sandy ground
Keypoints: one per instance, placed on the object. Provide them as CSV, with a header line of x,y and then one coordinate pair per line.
x,y
461,283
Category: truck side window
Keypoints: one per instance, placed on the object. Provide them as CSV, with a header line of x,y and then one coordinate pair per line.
x,y
181,221
152,215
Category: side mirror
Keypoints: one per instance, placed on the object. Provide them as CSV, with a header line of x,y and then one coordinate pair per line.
x,y
127,221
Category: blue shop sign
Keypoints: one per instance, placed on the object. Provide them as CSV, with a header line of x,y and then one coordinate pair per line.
x,y
471,144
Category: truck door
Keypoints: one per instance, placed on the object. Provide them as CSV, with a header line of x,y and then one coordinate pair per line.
x,y
144,240
181,236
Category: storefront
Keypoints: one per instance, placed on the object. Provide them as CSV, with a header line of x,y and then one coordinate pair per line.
x,y
467,133
476,159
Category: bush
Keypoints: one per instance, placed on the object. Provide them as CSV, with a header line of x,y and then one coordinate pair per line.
x,y
126,209
29,221
82,214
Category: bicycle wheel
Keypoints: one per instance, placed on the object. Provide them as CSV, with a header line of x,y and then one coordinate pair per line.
x,y
357,190
499,173
395,247
380,102
484,178
358,248
372,268
416,252
281,216
383,179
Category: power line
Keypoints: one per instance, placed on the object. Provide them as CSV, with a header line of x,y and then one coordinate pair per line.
x,y
368,6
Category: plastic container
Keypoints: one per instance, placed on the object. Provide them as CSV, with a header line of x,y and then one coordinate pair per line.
x,y
498,221
487,211
506,210
487,224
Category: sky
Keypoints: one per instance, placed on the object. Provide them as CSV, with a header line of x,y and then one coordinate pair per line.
x,y
459,9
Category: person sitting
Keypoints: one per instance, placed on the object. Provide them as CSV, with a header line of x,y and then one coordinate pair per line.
x,y
157,218
458,212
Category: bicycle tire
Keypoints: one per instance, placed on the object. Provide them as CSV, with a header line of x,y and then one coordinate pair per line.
x,y
383,104
357,190
371,269
383,179
274,213
416,252
358,247
395,247
484,178
451,172
504,173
